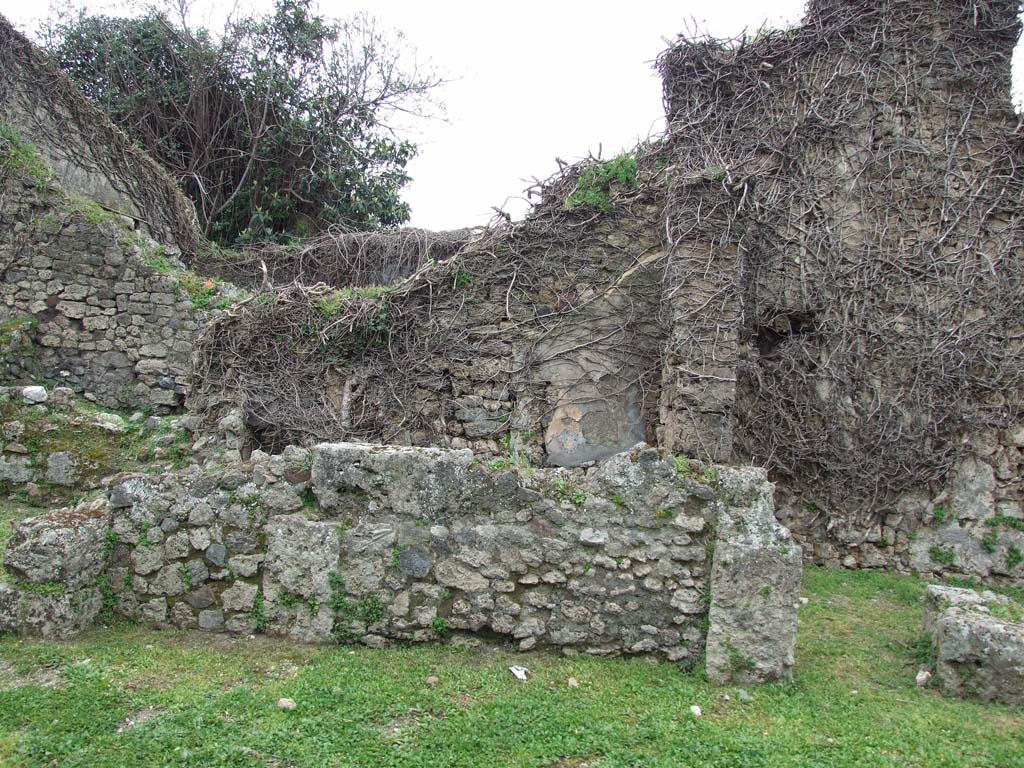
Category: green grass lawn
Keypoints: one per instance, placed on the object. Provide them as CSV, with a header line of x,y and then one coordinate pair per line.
x,y
210,701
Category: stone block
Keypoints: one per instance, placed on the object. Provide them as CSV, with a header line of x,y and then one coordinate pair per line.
x,y
755,585
61,468
67,547
58,616
979,643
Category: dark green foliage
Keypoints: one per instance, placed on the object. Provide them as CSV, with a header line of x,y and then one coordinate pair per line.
x,y
1013,557
990,540
439,626
259,613
275,128
1010,522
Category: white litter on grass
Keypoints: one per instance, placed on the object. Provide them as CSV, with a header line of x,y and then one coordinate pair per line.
x,y
287,704
695,711
519,672
139,718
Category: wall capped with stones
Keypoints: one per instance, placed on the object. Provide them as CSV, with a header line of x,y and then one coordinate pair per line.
x,y
544,338
354,542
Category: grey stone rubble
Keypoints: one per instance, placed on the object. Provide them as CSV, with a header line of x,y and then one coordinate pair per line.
x,y
970,526
979,643
382,543
53,443
55,562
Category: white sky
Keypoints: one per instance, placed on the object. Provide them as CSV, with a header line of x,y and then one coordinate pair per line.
x,y
531,80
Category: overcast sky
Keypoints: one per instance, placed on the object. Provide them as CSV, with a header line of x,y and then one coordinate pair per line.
x,y
530,80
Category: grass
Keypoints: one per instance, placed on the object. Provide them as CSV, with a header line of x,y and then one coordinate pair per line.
x,y
99,452
20,156
212,701
339,301
202,292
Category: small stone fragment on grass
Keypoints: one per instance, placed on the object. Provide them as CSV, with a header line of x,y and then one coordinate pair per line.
x,y
34,395
286,704
432,681
574,683
695,710
923,676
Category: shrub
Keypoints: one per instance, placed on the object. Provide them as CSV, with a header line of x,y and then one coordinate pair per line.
x,y
595,182
274,127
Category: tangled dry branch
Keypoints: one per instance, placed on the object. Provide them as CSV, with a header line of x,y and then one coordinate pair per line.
x,y
864,175
359,356
44,104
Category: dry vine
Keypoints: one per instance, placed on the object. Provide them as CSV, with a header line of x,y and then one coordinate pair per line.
x,y
482,311
844,271
860,180
40,100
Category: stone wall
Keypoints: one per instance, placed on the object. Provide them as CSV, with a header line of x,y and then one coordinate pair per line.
x,y
542,340
381,543
55,447
971,526
85,301
847,226
89,156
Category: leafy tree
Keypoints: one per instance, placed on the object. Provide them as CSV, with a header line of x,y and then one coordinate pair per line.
x,y
276,127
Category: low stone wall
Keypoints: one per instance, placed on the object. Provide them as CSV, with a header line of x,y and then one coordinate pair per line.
x,y
971,526
349,542
979,643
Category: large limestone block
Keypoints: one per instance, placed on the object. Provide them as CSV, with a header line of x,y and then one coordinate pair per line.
x,y
755,585
58,615
301,556
979,643
417,482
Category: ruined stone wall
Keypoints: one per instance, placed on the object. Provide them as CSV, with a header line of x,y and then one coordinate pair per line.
x,y
847,208
540,340
89,156
86,302
970,527
353,542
